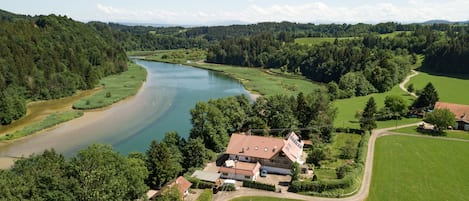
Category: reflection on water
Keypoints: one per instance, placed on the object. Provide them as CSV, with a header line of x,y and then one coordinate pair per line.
x,y
162,105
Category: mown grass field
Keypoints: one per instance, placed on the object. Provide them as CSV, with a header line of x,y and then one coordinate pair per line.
x,y
450,88
116,88
412,168
348,107
258,198
458,134
48,122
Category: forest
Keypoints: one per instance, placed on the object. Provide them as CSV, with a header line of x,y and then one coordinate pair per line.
x,y
49,57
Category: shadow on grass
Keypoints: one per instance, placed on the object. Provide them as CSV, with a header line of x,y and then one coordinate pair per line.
x,y
462,76
430,132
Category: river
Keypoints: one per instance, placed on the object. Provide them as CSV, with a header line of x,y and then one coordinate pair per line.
x,y
163,104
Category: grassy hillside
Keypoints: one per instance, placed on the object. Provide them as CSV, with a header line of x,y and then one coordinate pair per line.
x,y
450,88
348,107
410,168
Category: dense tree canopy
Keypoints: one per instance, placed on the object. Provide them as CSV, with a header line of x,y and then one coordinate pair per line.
x,y
441,119
96,173
427,98
48,57
313,113
368,119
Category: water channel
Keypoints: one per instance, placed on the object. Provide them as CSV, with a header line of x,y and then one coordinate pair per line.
x,y
162,105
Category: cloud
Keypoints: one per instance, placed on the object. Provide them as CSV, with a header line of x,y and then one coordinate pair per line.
x,y
317,11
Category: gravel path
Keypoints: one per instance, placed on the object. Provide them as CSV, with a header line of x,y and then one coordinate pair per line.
x,y
407,79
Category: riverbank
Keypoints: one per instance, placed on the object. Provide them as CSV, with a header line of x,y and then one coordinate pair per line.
x,y
43,116
257,81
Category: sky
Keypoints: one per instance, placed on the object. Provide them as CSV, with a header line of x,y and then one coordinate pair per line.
x,y
185,12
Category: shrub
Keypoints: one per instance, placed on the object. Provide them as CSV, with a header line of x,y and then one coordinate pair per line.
x,y
227,187
341,171
108,94
258,185
197,183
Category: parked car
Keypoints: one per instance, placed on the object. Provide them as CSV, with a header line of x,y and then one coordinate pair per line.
x,y
263,173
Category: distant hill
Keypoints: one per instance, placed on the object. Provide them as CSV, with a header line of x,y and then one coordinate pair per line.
x,y
8,16
444,22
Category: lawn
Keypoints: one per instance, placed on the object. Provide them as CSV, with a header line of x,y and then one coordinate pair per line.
x,y
450,88
259,198
327,170
449,133
411,168
116,88
348,107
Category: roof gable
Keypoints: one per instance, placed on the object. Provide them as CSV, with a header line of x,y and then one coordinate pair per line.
x,y
293,147
461,112
183,184
254,146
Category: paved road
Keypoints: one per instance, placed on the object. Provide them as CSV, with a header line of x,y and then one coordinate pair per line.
x,y
364,190
362,193
407,79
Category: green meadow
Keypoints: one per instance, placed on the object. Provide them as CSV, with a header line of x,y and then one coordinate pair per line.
x,y
450,88
262,81
458,134
116,88
48,122
347,109
180,56
412,168
319,40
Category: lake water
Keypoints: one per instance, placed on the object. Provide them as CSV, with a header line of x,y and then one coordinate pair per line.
x,y
162,105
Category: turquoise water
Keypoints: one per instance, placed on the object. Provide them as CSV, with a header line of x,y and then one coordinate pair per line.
x,y
162,105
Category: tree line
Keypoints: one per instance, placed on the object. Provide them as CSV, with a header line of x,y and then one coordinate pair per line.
x,y
214,121
100,173
49,57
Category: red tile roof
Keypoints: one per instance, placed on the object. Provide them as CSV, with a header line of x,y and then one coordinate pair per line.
x,y
183,184
254,146
461,112
242,168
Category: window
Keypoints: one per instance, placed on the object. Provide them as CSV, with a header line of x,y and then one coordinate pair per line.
x,y
225,174
247,177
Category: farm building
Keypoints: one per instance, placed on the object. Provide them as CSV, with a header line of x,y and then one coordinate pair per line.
x,y
275,155
461,113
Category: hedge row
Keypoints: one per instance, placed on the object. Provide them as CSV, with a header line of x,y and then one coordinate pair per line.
x,y
258,185
349,130
363,149
324,185
197,183
351,178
